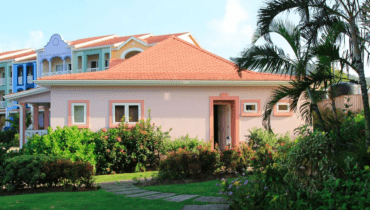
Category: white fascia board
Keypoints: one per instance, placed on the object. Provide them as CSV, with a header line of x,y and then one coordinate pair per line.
x,y
18,95
158,83
132,38
90,48
146,36
191,35
20,62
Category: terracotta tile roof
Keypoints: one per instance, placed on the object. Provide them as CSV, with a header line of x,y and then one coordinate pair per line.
x,y
111,41
19,56
79,41
115,61
9,52
173,59
156,39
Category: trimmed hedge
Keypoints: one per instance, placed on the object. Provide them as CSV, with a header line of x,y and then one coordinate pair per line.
x,y
36,170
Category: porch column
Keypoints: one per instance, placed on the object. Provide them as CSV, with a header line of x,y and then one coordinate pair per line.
x,y
49,67
35,116
41,69
64,64
24,76
46,117
84,62
24,122
34,71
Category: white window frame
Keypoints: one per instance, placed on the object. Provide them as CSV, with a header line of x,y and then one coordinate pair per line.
x,y
97,64
282,103
126,111
248,111
73,113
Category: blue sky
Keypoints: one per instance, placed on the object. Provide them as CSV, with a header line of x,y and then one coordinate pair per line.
x,y
224,28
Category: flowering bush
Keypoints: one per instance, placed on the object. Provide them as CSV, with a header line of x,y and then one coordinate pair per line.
x,y
182,142
129,148
238,158
33,170
189,164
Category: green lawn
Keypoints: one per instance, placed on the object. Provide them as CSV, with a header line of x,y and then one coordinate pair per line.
x,y
125,176
86,200
207,188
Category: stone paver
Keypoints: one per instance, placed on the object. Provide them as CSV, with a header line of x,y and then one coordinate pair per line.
x,y
158,196
180,198
142,194
130,192
210,199
207,207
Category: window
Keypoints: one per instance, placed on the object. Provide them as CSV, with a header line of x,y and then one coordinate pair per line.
x,y
79,113
250,107
69,66
283,107
59,67
131,112
106,63
94,64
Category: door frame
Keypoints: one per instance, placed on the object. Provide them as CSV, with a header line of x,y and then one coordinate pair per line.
x,y
234,102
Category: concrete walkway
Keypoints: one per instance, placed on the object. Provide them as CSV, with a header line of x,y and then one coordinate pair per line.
x,y
128,189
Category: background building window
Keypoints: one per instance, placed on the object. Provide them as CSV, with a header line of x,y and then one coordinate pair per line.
x,y
131,112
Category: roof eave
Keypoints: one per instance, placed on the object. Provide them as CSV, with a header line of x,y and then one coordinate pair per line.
x,y
158,83
22,94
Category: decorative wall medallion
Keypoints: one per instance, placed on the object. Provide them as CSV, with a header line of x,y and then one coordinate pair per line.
x,y
55,42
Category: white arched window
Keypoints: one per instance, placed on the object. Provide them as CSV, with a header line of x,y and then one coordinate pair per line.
x,y
131,52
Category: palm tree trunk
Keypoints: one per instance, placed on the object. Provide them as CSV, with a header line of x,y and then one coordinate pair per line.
x,y
315,108
359,68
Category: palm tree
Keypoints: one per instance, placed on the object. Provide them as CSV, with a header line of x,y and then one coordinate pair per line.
x,y
271,58
317,16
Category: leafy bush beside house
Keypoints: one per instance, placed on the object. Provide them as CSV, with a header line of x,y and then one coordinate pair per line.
x,y
34,170
261,137
183,142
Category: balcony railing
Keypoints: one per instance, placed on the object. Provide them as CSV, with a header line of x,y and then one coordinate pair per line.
x,y
92,69
2,105
79,71
20,80
56,73
29,79
2,81
30,133
10,81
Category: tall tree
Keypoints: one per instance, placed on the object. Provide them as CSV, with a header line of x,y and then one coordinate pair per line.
x,y
316,16
270,58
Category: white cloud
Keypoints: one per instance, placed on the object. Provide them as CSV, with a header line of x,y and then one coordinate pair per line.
x,y
35,39
233,30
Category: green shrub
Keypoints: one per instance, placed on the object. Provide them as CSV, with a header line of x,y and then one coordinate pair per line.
x,y
184,142
261,136
7,137
189,164
129,148
237,159
69,142
33,170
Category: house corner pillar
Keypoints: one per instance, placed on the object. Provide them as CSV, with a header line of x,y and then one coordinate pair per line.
x,y
35,116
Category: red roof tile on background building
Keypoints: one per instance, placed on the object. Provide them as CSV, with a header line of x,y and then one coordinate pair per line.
x,y
173,59
156,39
80,41
9,52
111,41
115,61
19,56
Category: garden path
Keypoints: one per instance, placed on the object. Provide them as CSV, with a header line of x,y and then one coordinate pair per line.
x,y
127,188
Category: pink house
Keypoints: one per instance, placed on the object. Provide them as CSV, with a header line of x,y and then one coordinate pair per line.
x,y
186,88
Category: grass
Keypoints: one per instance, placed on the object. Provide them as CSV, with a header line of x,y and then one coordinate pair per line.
x,y
125,176
207,188
86,200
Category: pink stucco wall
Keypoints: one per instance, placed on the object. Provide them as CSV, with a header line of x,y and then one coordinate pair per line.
x,y
184,109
